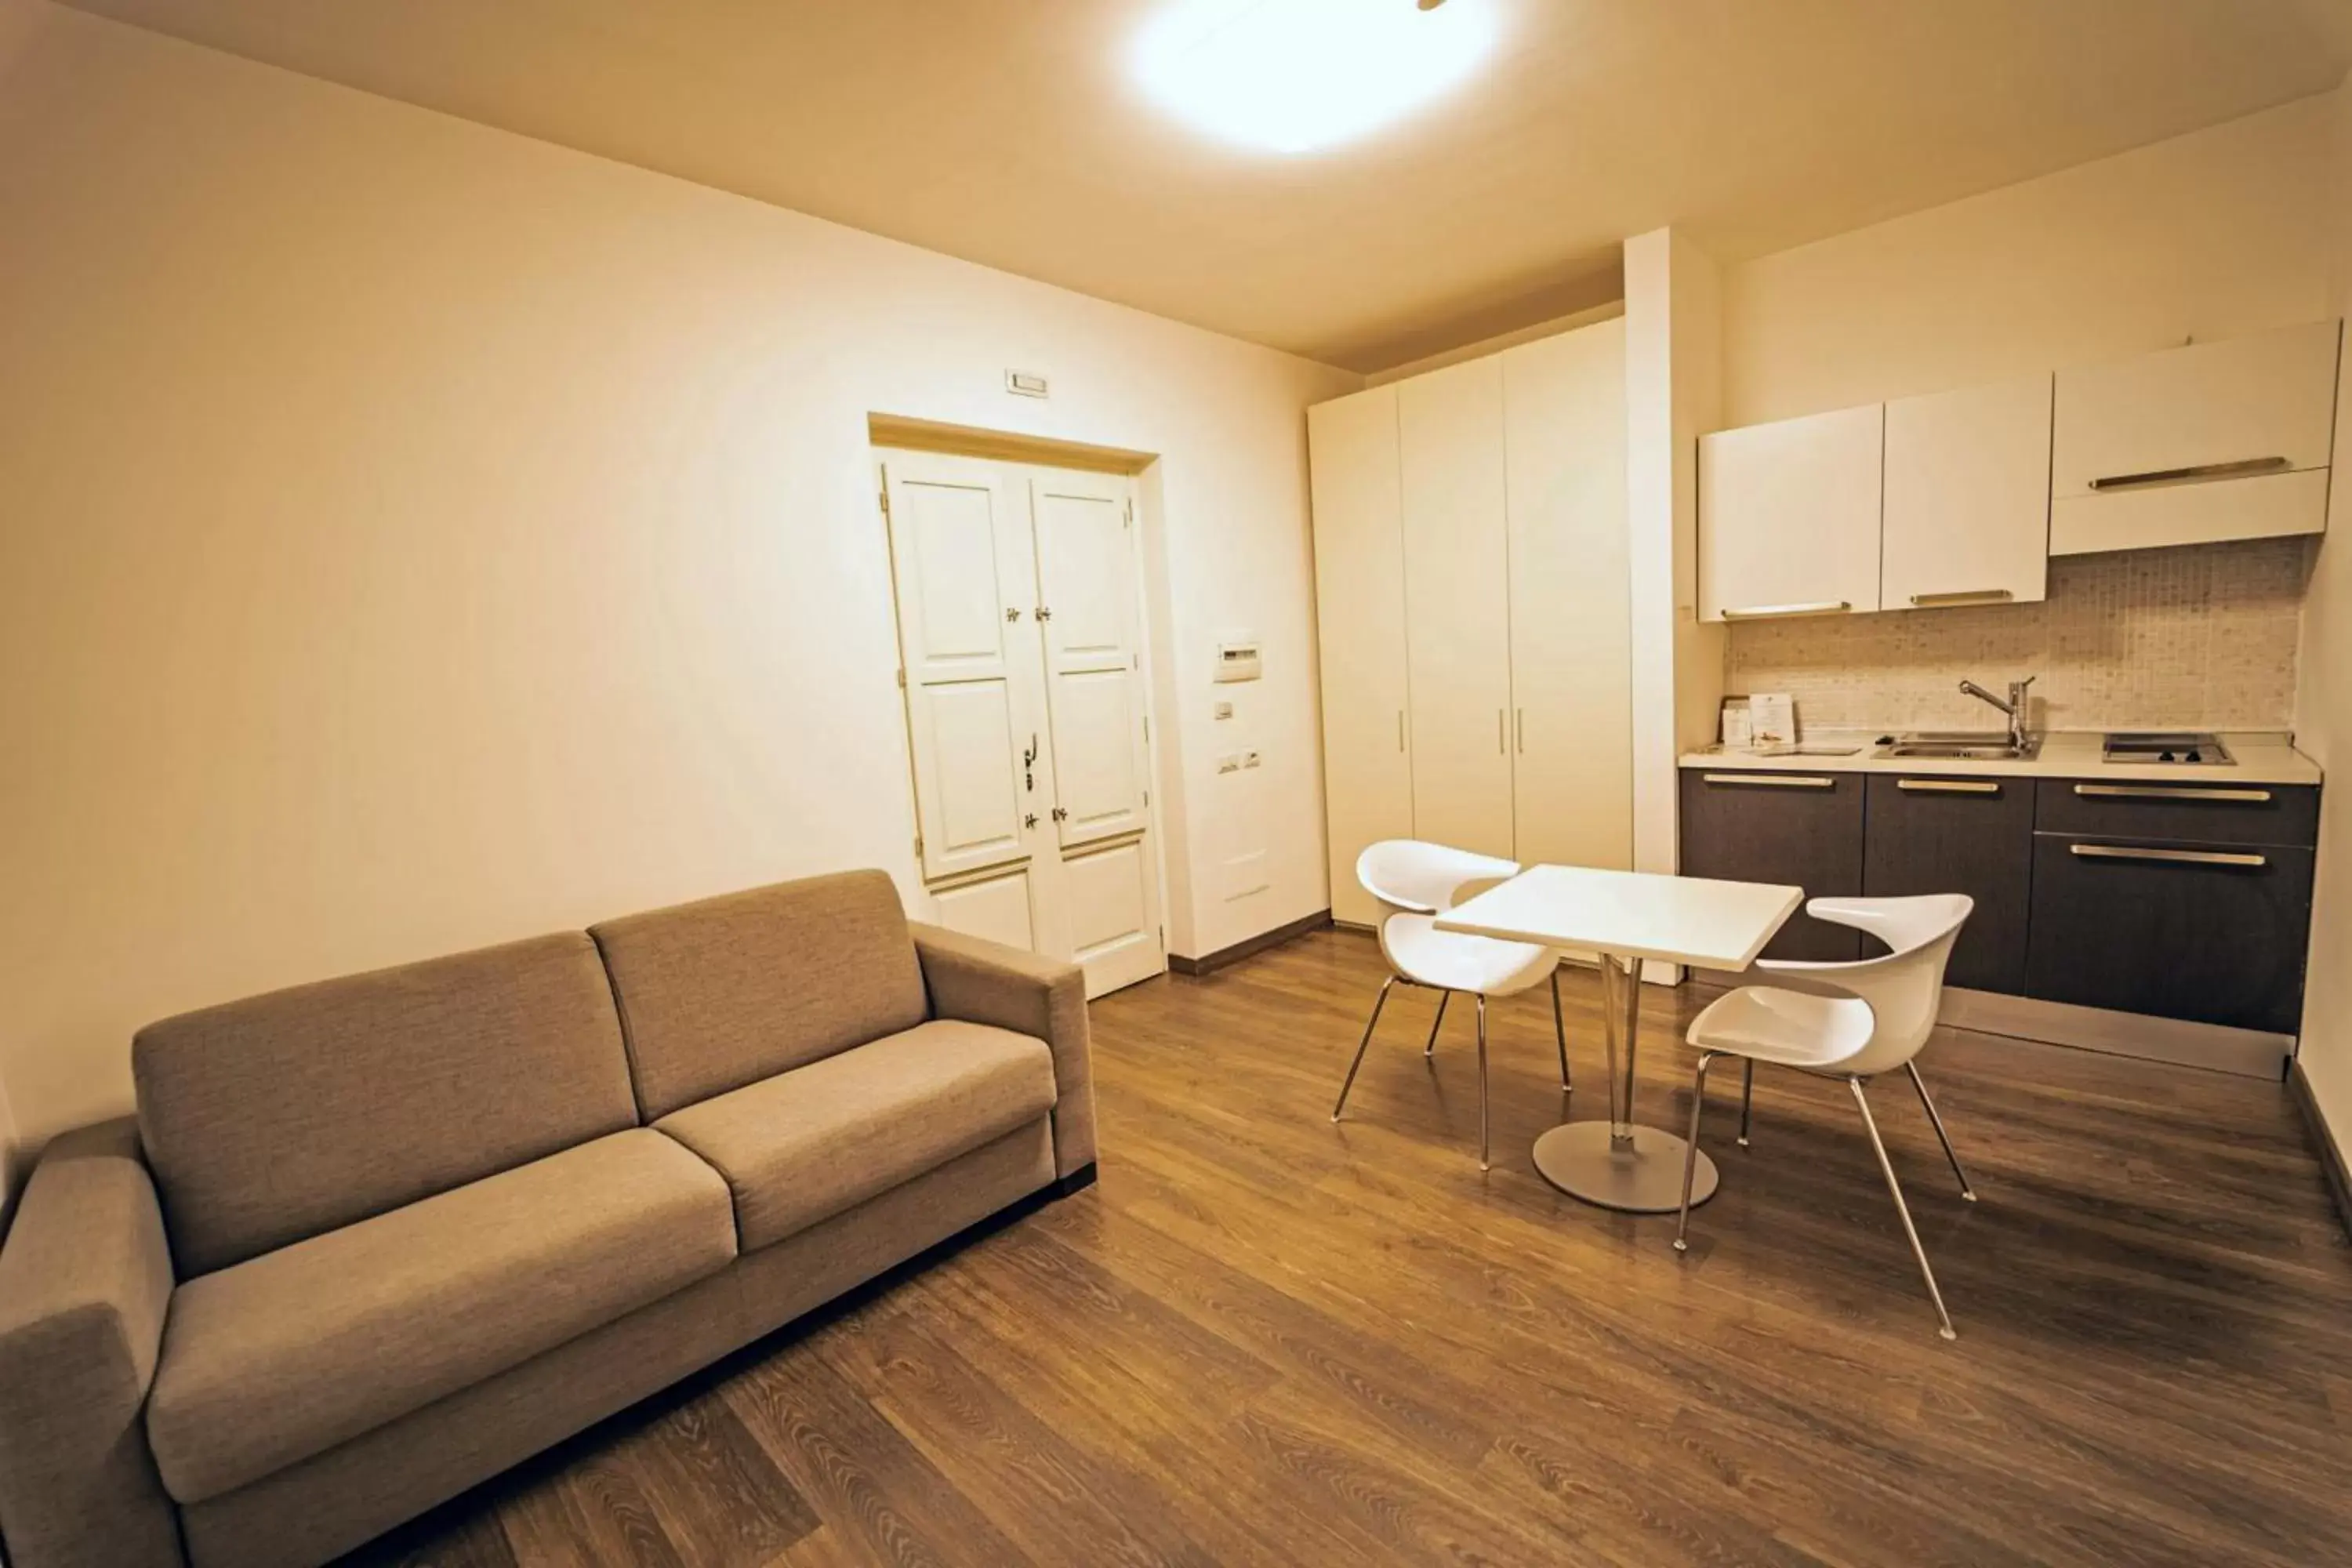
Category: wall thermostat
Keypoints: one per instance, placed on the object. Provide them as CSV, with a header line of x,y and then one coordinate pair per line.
x,y
1238,660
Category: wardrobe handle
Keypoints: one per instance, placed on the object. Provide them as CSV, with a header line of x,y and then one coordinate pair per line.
x,y
1522,714
1399,729
1502,732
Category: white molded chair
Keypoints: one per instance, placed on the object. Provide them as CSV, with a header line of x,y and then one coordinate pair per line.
x,y
1852,1021
1415,883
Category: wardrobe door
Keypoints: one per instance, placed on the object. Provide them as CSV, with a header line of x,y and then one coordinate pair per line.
x,y
1457,611
1571,620
1359,621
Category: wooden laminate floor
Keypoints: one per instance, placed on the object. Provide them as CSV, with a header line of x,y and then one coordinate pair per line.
x,y
1265,1339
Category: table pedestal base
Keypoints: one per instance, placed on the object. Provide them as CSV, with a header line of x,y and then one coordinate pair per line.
x,y
1641,1175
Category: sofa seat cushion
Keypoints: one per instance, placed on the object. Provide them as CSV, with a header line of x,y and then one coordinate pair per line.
x,y
803,1146
287,1354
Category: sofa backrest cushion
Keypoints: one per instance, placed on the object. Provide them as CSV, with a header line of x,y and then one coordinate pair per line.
x,y
284,1116
726,992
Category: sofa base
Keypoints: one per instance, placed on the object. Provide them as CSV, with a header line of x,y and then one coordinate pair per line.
x,y
311,1512
1078,1181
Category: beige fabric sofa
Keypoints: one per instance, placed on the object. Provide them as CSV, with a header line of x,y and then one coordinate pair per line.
x,y
374,1240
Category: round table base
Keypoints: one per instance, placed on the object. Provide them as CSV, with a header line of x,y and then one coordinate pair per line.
x,y
1642,1176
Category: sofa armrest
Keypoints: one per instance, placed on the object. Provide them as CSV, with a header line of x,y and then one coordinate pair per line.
x,y
984,982
85,1279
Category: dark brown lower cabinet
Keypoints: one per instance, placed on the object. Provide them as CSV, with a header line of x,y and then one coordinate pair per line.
x,y
1802,829
1972,836
2211,932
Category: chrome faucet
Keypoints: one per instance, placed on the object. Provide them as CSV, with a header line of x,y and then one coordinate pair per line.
x,y
2014,707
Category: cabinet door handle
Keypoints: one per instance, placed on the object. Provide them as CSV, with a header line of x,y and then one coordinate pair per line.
x,y
1502,732
1771,781
2229,470
1948,786
2164,792
1399,729
2170,857
1522,717
1766,612
1964,596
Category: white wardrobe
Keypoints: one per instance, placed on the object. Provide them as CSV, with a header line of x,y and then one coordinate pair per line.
x,y
1472,601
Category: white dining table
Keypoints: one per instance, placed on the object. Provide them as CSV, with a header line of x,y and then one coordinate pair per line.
x,y
1626,918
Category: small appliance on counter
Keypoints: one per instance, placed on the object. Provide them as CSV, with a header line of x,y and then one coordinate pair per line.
x,y
2188,747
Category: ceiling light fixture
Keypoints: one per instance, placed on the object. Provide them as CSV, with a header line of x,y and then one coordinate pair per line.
x,y
1299,76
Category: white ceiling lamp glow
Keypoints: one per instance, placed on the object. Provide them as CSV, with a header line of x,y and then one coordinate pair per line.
x,y
1299,76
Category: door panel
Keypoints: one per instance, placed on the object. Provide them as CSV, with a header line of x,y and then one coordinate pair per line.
x,y
1457,605
1094,755
1113,917
2212,934
1087,584
996,909
1972,836
1359,626
959,552
976,817
1800,829
1788,516
1968,496
1570,617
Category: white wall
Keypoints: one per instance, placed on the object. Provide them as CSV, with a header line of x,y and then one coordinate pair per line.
x,y
416,536
1673,394
2210,234
2323,717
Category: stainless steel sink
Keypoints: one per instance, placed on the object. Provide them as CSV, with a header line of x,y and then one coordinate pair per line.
x,y
1963,746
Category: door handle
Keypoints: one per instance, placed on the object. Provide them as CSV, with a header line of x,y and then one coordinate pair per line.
x,y
2194,471
2163,791
1502,732
1963,596
1399,729
1771,781
2170,857
1766,612
1523,730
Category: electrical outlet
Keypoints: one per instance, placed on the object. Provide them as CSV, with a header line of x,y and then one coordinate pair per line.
x,y
1223,711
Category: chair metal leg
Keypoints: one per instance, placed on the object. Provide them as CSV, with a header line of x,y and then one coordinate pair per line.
x,y
1747,1102
1370,1024
1690,1149
1431,1048
1484,1164
1920,1084
1560,1034
1902,1209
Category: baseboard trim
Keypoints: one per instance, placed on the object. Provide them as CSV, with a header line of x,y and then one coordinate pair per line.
x,y
2216,1048
1248,947
2323,1145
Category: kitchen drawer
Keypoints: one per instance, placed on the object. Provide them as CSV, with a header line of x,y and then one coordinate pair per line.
x,y
2198,811
1972,836
1800,829
2214,936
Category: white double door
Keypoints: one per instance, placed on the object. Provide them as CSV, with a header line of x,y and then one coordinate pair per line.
x,y
1020,642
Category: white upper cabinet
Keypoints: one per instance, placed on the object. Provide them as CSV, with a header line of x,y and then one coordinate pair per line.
x,y
1359,621
1968,496
2213,441
1788,516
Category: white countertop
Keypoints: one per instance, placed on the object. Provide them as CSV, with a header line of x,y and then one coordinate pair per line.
x,y
1631,914
2260,759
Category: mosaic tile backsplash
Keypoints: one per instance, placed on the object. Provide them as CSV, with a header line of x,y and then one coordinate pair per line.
x,y
2198,637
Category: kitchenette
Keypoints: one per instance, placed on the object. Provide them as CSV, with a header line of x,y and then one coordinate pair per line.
x,y
2037,643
